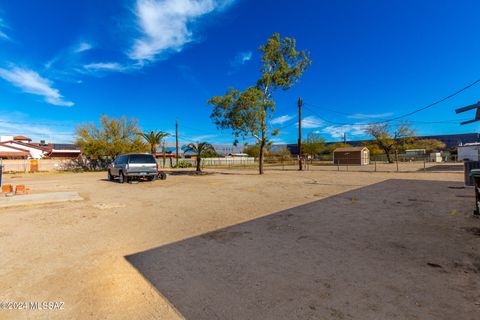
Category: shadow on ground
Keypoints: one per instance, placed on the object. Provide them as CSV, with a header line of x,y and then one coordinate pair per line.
x,y
450,167
204,173
394,250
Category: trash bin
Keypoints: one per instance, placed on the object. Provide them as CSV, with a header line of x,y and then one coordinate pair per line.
x,y
475,175
469,166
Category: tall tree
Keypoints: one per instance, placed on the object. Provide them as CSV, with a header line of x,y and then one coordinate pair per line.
x,y
253,150
200,149
153,138
430,145
111,138
390,139
313,145
247,113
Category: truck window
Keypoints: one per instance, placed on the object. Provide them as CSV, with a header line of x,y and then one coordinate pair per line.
x,y
141,158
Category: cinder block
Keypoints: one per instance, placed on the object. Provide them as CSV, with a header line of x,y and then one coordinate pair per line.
x,y
20,189
7,188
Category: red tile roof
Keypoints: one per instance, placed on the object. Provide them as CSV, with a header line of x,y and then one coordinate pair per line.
x,y
21,138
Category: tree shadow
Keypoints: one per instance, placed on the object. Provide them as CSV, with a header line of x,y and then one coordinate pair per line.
x,y
362,254
187,173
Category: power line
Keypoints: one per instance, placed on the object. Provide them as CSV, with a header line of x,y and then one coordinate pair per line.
x,y
436,102
403,115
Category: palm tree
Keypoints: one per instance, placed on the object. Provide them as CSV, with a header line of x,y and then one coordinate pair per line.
x,y
153,138
200,149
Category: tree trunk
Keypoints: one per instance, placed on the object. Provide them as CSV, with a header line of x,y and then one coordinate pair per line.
x,y
199,160
260,163
387,153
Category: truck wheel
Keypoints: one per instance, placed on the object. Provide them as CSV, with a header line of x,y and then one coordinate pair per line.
x,y
110,177
162,176
151,178
123,179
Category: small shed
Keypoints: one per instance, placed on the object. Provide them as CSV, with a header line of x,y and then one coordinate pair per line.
x,y
469,151
351,156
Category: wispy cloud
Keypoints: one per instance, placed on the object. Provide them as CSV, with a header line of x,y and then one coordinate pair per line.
x,y
83,46
370,116
166,25
349,129
3,35
281,119
241,58
312,122
203,138
31,82
19,124
105,66
277,141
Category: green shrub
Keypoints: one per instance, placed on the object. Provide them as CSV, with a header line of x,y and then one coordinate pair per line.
x,y
183,164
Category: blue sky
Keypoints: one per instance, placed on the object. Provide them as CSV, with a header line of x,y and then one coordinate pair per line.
x,y
67,62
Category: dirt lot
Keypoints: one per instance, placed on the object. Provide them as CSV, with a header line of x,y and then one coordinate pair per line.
x,y
235,245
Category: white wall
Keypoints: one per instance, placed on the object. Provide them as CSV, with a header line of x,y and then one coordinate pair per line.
x,y
468,152
6,138
34,153
4,148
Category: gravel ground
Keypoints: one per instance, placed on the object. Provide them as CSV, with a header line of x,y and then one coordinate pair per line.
x,y
353,245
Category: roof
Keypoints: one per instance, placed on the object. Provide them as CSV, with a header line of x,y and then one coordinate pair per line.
x,y
29,145
349,149
21,138
66,151
474,144
12,147
5,154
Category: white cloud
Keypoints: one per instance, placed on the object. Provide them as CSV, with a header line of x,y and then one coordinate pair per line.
x,y
349,129
165,25
281,119
19,125
312,122
83,46
277,141
3,35
31,82
203,138
105,66
370,116
241,58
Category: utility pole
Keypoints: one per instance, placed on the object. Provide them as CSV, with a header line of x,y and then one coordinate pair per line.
x,y
300,103
344,138
176,143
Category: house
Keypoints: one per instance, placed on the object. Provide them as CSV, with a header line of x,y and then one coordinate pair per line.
x,y
12,152
63,151
35,152
15,147
351,156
